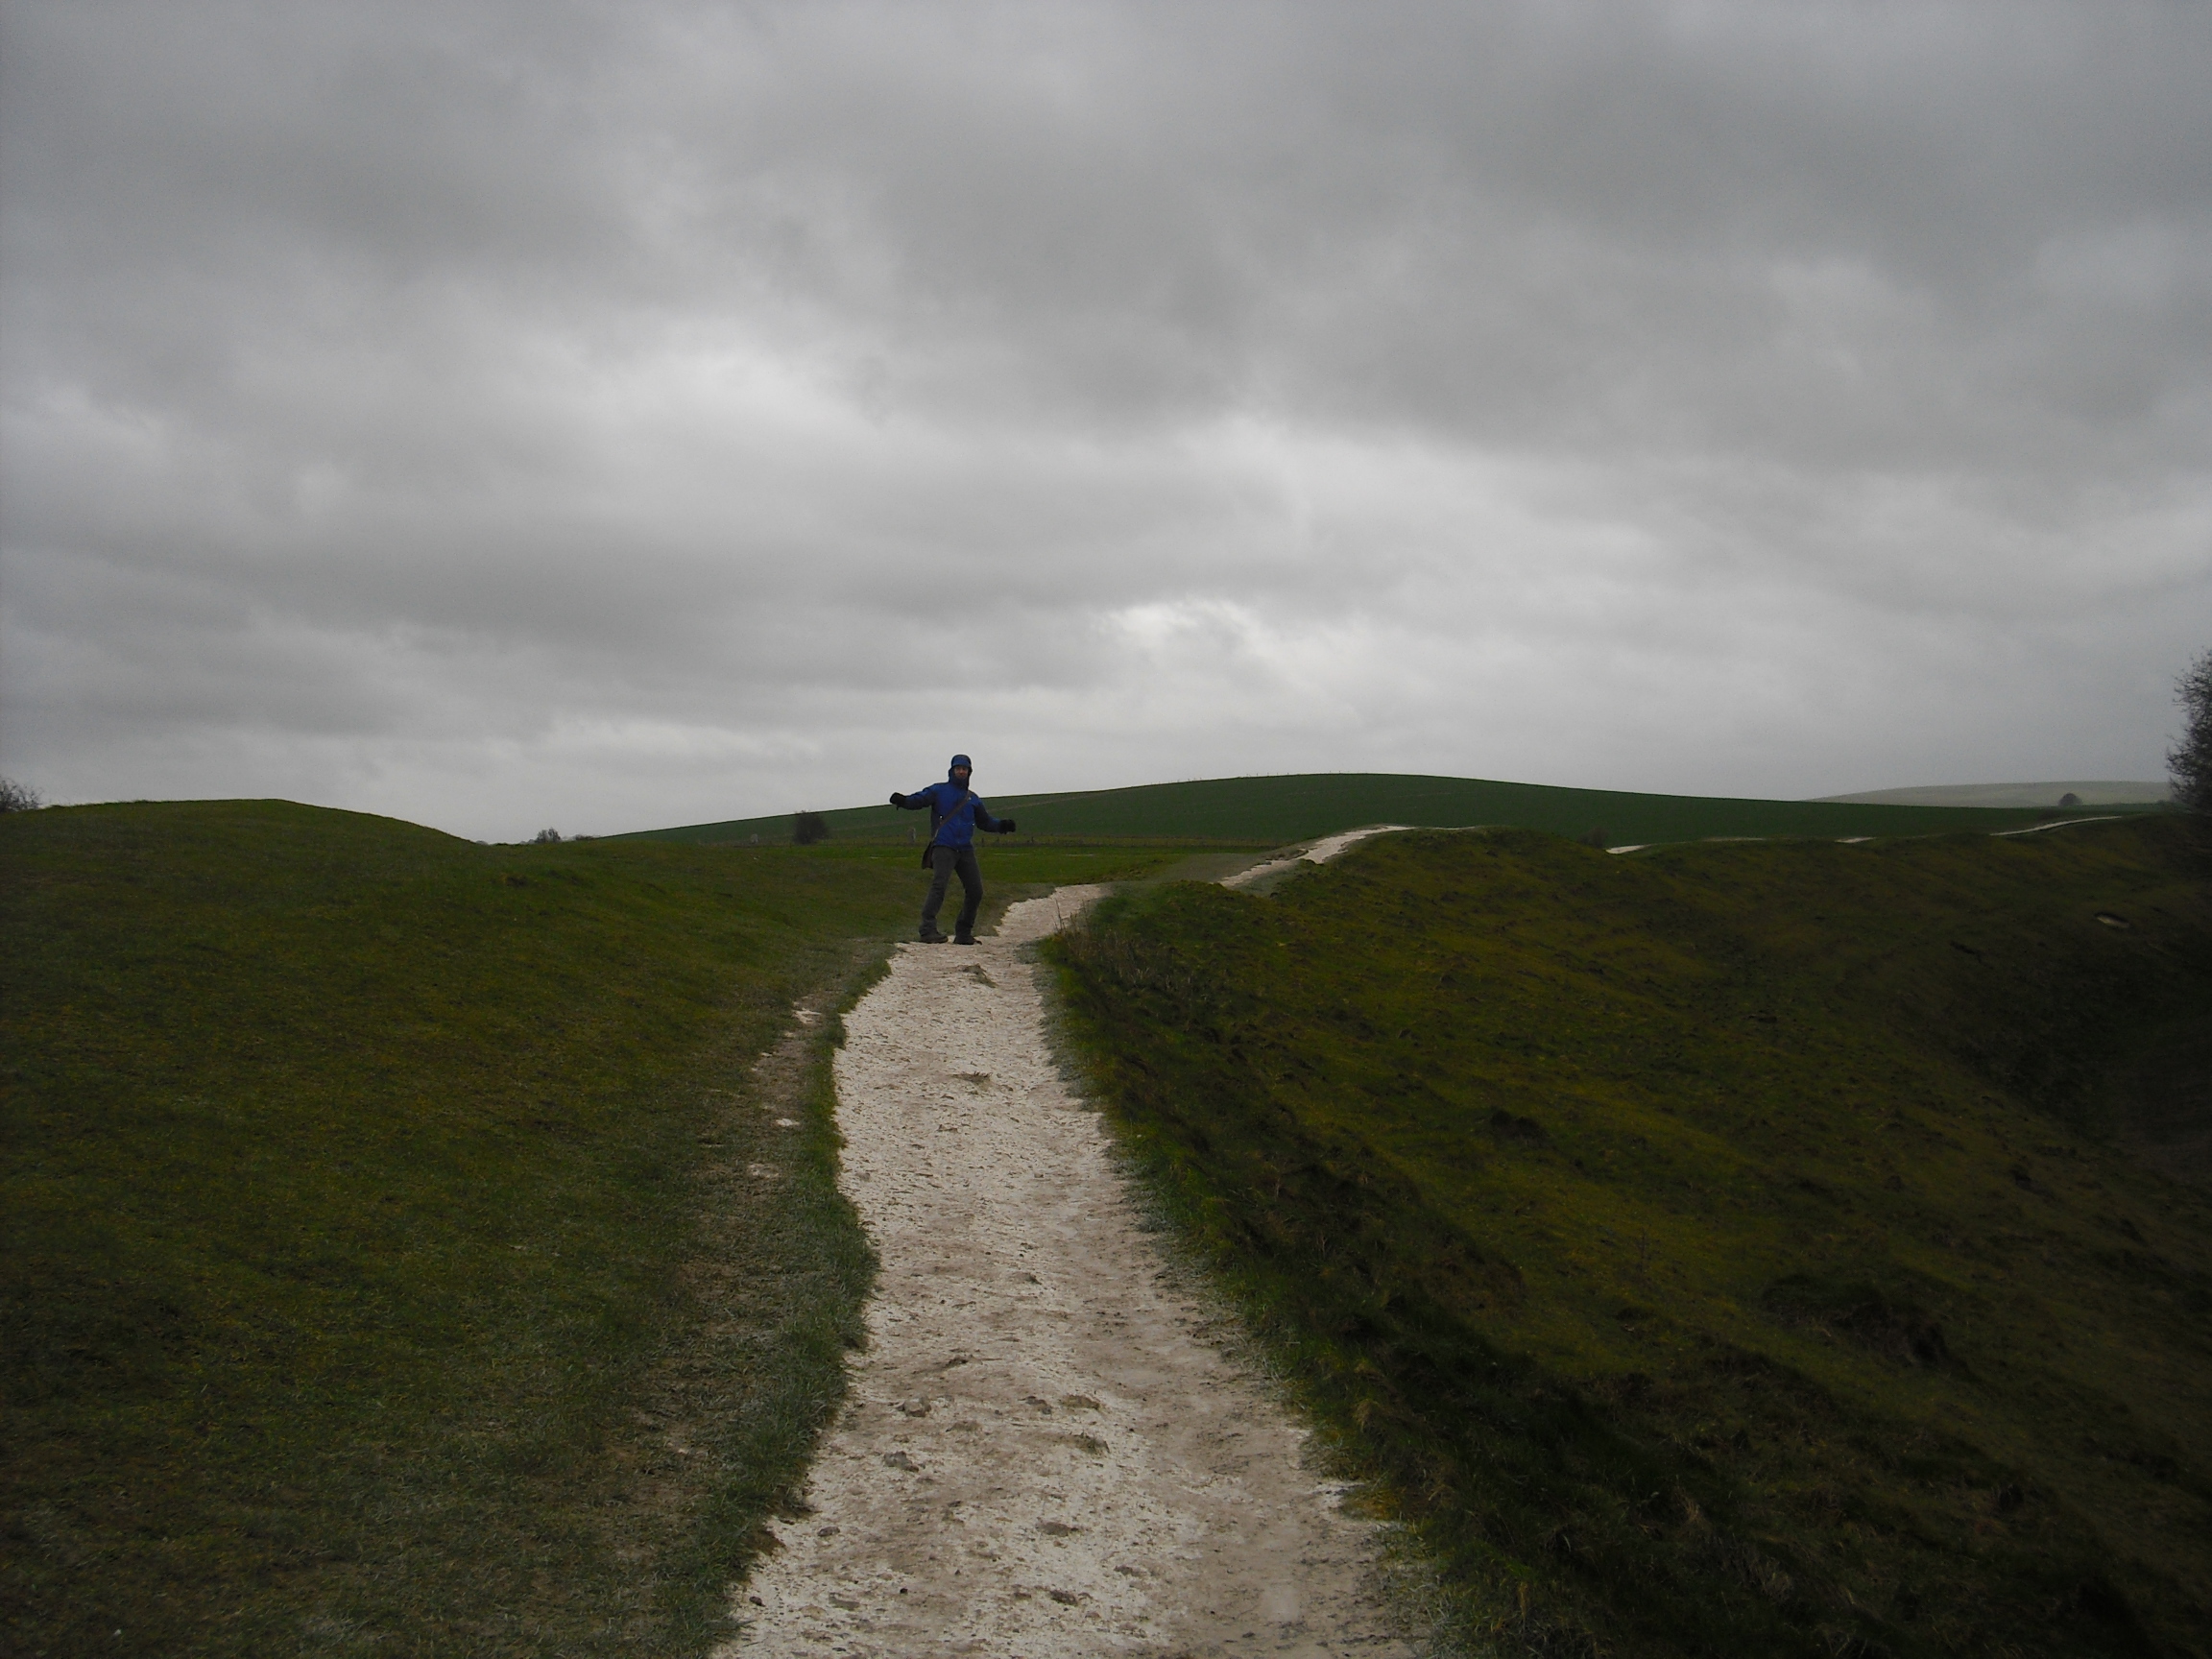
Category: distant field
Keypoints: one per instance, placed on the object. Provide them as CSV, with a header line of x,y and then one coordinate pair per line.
x,y
1749,1249
2093,792
1278,810
382,1269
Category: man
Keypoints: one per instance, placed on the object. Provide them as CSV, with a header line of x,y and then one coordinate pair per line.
x,y
955,814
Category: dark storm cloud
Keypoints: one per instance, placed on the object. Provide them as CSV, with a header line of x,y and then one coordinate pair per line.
x,y
492,411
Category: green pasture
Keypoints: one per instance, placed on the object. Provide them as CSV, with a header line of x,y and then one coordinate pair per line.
x,y
1274,811
381,1267
1777,1248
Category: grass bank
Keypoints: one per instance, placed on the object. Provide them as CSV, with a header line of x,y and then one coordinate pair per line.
x,y
400,1247
1727,1249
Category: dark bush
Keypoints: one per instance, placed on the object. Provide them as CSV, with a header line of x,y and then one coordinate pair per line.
x,y
18,797
2190,762
809,828
546,838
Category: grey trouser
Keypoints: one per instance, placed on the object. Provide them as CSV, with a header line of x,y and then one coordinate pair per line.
x,y
944,861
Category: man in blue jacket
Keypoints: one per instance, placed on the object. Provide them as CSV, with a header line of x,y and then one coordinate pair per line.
x,y
955,814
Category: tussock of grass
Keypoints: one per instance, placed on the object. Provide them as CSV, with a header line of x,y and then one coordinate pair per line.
x,y
383,1260
1723,1250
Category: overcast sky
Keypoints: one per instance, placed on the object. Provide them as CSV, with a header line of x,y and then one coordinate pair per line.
x,y
608,415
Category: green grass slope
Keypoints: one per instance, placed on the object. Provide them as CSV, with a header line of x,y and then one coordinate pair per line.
x,y
1276,810
359,1186
1719,1250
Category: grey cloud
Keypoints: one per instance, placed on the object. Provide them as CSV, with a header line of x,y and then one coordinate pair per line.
x,y
1696,392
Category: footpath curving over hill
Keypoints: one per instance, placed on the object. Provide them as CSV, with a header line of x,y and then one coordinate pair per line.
x,y
1778,1248
1047,1450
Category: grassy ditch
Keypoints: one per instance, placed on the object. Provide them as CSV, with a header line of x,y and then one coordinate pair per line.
x,y
402,1245
1727,1249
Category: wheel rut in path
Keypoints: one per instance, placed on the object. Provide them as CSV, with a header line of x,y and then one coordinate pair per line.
x,y
1049,1448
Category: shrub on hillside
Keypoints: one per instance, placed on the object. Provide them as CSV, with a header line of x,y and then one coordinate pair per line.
x,y
546,838
2190,762
18,797
809,828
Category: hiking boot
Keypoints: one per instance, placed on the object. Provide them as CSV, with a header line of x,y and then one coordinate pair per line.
x,y
963,938
930,936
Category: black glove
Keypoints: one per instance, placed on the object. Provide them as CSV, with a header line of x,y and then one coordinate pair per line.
x,y
1005,826
897,799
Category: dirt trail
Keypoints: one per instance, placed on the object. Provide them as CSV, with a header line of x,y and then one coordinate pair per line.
x,y
1049,1449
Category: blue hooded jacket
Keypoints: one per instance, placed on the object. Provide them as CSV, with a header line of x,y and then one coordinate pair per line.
x,y
956,812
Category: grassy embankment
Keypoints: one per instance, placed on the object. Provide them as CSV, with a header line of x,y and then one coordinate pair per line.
x,y
1281,809
398,1251
1719,1250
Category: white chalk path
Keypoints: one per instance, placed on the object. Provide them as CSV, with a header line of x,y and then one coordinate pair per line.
x,y
1319,852
1048,1450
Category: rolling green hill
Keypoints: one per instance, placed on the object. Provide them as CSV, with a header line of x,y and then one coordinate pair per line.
x,y
1722,1249
1729,1245
385,1261
1278,810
